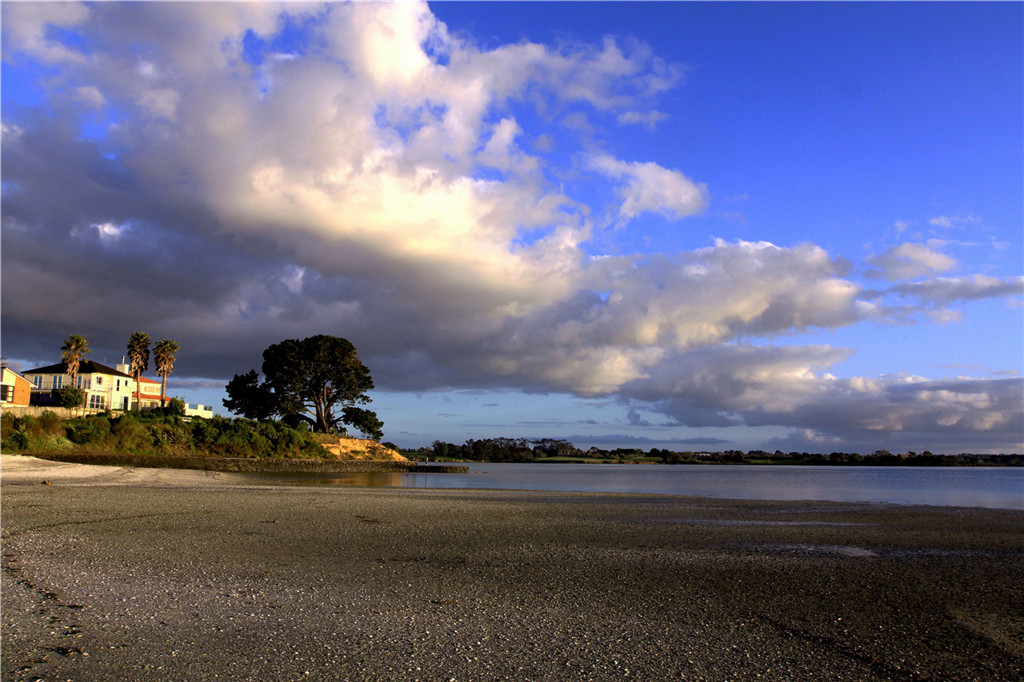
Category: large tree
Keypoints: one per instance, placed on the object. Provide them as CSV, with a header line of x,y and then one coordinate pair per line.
x,y
138,359
72,353
308,380
163,356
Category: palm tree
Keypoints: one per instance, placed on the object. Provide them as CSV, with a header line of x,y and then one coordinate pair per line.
x,y
138,358
72,353
163,356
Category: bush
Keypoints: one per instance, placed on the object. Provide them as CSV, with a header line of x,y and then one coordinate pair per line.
x,y
50,423
16,441
131,435
70,396
88,430
7,422
175,407
28,425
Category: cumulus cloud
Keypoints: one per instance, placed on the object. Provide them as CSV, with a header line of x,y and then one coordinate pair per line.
x,y
648,187
788,386
909,261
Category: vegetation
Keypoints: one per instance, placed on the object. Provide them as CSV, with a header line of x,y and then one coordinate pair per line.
x,y
138,358
69,396
157,434
163,356
552,450
308,381
72,353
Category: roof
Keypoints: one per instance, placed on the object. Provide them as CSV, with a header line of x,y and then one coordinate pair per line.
x,y
17,377
84,367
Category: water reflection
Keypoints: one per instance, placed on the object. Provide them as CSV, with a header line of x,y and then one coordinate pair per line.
x,y
940,486
364,479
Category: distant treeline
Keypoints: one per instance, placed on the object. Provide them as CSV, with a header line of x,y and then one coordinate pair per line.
x,y
549,449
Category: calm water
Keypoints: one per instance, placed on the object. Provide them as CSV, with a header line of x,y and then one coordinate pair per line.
x,y
1000,488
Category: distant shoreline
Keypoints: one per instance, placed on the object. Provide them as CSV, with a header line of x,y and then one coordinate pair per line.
x,y
246,465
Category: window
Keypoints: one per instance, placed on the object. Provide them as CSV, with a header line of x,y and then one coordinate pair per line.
x,y
99,381
58,381
97,402
85,383
6,393
37,381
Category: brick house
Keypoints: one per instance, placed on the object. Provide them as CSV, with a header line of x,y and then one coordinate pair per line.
x,y
15,390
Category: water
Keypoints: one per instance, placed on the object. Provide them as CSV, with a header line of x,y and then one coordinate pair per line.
x,y
998,488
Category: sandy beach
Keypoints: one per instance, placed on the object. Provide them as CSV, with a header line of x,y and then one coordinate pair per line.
x,y
153,574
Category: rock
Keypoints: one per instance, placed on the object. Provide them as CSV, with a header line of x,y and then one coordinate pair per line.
x,y
360,449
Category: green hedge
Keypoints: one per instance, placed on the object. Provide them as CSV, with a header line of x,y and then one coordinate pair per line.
x,y
157,434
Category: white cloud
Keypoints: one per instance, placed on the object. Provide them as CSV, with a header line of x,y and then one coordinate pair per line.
x,y
911,260
786,386
954,221
27,27
649,187
645,118
946,290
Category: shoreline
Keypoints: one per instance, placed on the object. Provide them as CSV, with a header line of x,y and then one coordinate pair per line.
x,y
153,574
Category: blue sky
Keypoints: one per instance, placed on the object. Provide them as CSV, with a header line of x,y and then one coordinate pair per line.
x,y
684,225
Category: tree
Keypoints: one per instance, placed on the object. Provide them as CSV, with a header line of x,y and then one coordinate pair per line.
x,y
364,420
70,396
72,353
138,358
308,380
249,398
163,356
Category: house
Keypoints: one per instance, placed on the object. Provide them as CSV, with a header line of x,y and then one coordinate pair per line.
x,y
106,388
150,391
15,390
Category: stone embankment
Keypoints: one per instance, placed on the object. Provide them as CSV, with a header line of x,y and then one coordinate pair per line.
x,y
243,465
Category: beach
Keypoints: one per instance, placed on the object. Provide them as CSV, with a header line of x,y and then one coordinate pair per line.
x,y
114,573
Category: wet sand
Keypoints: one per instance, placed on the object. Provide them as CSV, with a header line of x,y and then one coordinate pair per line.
x,y
144,574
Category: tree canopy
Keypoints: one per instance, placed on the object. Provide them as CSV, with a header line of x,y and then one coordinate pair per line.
x,y
163,354
73,352
138,358
318,380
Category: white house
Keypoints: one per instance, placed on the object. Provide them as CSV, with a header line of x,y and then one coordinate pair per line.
x,y
106,388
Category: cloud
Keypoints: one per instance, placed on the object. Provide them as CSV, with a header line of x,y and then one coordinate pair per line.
x,y
946,290
645,118
382,179
950,222
788,386
648,187
909,261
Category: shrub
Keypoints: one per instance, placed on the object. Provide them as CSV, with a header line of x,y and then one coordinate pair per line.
x,y
175,407
7,423
70,396
50,423
16,441
131,435
28,425
88,430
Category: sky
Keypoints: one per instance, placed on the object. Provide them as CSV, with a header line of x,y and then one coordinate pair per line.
x,y
694,226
